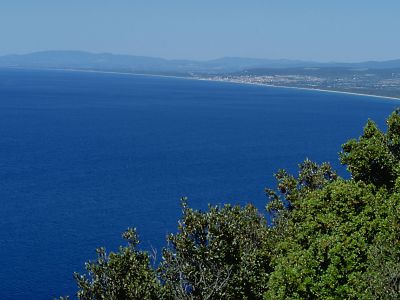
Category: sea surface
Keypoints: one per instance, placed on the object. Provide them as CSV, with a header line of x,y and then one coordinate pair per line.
x,y
83,156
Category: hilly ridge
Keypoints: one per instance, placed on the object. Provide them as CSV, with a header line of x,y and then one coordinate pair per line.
x,y
136,64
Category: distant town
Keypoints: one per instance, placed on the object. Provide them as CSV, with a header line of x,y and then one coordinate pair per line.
x,y
380,82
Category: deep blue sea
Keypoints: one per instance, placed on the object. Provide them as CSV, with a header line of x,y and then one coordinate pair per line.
x,y
85,155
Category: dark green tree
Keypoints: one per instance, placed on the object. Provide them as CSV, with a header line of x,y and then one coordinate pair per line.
x,y
375,156
336,238
218,254
328,239
123,275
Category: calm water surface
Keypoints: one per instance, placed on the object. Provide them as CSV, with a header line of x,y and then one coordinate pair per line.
x,y
84,155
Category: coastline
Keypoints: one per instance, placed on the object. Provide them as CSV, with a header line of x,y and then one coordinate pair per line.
x,y
226,81
306,89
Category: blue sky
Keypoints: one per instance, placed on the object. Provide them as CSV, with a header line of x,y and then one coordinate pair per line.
x,y
331,30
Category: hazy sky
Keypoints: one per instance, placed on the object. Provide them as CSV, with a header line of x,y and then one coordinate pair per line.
x,y
322,30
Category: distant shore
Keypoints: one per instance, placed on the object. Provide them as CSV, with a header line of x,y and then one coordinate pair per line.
x,y
303,88
228,81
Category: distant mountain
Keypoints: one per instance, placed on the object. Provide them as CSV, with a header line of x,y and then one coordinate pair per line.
x,y
130,63
84,60
142,64
388,64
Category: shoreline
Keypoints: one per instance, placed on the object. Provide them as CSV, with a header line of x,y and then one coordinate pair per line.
x,y
305,88
226,81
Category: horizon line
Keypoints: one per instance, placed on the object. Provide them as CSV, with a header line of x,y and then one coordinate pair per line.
x,y
205,60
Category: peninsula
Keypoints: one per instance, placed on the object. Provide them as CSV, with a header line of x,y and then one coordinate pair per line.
x,y
378,78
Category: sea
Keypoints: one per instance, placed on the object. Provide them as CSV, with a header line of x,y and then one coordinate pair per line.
x,y
85,155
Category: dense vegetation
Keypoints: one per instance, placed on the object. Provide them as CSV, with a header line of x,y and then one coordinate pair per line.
x,y
330,238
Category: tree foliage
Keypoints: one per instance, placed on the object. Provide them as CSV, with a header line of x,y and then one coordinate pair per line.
x,y
329,238
374,157
329,242
126,274
218,254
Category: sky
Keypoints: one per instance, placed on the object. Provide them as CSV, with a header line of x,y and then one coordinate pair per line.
x,y
317,30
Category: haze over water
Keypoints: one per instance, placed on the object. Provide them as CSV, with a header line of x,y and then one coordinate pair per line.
x,y
85,155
